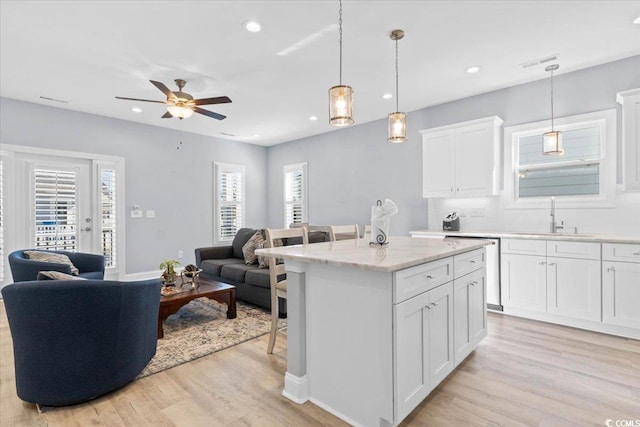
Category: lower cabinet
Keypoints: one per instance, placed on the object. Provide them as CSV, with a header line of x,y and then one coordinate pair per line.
x,y
469,315
573,288
524,282
621,294
423,346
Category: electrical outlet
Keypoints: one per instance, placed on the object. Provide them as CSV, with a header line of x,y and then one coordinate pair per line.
x,y
136,212
151,213
477,212
180,254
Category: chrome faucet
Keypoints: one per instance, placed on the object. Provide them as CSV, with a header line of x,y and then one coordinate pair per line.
x,y
554,227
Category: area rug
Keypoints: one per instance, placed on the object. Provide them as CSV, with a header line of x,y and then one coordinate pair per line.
x,y
201,328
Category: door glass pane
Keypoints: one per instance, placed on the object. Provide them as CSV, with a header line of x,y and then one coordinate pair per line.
x,y
56,211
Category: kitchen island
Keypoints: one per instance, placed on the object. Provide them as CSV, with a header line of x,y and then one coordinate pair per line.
x,y
373,330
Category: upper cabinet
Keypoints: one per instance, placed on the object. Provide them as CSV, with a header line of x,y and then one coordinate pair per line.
x,y
462,160
630,101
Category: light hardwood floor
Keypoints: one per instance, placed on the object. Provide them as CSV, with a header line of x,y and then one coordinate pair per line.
x,y
524,373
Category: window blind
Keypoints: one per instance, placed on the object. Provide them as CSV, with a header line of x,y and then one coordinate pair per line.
x,y
294,197
230,201
56,211
108,216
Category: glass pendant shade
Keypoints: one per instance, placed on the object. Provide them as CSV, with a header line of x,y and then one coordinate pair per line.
x,y
552,143
180,111
397,127
341,105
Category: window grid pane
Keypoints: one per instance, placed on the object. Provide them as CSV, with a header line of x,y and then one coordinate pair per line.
x,y
55,207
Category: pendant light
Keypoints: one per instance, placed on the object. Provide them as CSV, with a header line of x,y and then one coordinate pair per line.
x,y
341,96
552,141
397,121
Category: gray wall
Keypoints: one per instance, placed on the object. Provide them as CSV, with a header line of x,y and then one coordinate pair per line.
x,y
177,184
349,169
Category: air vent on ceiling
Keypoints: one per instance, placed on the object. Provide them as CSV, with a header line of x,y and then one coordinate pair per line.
x,y
46,98
539,61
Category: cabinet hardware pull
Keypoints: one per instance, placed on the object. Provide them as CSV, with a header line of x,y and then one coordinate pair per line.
x,y
428,307
452,189
429,277
611,269
472,261
473,283
552,263
542,263
637,253
435,304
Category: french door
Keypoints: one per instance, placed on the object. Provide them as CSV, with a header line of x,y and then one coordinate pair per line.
x,y
55,200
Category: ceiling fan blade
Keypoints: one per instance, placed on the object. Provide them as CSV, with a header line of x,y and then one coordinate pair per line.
x,y
164,89
209,101
167,115
209,113
138,99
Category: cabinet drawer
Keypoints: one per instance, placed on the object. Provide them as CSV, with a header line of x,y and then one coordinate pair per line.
x,y
627,252
468,262
524,247
582,250
421,278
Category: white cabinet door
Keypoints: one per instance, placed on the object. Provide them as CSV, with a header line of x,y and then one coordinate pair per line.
x,y
440,311
438,169
411,353
423,346
474,161
573,288
621,294
470,316
630,101
524,282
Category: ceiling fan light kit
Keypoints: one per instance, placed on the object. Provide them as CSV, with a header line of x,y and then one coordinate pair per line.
x,y
181,104
552,140
341,96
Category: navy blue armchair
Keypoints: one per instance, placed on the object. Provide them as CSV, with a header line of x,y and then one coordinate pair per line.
x,y
75,340
91,266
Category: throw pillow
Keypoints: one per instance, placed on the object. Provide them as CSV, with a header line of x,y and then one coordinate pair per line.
x,y
56,275
45,256
263,261
249,248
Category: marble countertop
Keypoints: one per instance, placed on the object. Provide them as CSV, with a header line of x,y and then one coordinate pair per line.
x,y
580,237
402,252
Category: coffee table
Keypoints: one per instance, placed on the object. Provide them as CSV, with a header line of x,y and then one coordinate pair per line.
x,y
221,292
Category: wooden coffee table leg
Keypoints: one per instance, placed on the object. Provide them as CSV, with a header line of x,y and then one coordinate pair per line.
x,y
160,331
227,297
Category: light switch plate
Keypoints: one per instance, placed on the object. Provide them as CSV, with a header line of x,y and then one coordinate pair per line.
x,y
151,213
136,213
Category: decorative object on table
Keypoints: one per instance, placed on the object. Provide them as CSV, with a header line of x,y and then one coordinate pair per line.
x,y
169,271
190,276
380,218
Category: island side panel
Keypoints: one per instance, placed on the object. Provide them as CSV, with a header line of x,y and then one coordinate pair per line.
x,y
350,342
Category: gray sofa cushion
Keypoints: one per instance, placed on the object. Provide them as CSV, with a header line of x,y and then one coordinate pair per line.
x,y
236,272
242,237
213,266
259,278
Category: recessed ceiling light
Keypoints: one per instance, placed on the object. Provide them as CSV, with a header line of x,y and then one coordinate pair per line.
x,y
387,96
252,26
136,110
637,20
313,118
472,70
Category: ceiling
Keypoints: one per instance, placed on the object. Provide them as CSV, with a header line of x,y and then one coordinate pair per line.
x,y
86,53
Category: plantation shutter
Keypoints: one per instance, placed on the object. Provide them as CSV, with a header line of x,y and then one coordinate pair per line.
x,y
294,194
108,217
56,211
230,200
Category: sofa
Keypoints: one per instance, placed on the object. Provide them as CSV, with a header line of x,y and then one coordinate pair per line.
x,y
75,340
90,266
227,264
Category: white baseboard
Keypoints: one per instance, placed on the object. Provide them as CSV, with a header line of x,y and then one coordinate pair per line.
x,y
296,388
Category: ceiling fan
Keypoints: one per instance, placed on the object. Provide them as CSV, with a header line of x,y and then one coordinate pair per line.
x,y
182,105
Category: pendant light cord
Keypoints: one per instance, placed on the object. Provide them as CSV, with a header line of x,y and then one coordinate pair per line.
x,y
340,32
551,100
397,99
